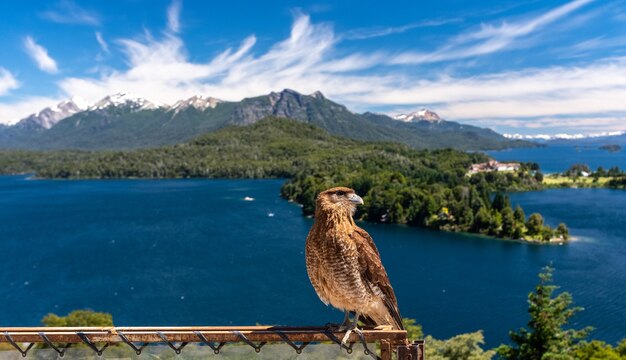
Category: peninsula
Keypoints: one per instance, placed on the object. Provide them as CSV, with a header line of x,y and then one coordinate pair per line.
x,y
425,188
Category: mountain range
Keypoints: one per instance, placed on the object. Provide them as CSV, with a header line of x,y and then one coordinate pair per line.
x,y
122,121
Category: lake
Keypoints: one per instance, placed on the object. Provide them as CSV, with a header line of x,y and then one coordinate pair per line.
x,y
196,252
558,158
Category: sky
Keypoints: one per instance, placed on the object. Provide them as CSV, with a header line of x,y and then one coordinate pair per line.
x,y
527,67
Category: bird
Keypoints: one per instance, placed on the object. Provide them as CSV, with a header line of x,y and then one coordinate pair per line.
x,y
344,265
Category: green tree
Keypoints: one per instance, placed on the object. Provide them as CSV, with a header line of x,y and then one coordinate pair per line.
x,y
614,171
545,337
621,348
562,231
78,318
519,214
482,220
500,201
460,347
413,330
596,350
508,222
600,172
534,224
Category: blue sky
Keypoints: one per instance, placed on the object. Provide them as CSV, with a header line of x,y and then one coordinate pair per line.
x,y
516,66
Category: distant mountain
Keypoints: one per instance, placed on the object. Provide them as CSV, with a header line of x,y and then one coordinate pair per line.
x,y
587,140
123,100
565,137
122,121
198,102
48,117
421,115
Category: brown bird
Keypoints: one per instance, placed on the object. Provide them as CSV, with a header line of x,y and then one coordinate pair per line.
x,y
344,265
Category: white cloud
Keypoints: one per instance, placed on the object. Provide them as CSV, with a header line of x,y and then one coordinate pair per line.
x,y
374,32
173,16
103,44
160,70
489,38
67,12
7,82
40,55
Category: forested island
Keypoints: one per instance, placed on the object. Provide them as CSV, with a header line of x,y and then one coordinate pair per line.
x,y
425,188
611,148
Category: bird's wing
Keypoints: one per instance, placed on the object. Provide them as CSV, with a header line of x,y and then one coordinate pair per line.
x,y
374,273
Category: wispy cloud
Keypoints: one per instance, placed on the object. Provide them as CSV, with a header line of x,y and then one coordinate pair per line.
x,y
7,81
103,44
307,60
173,16
489,38
67,12
374,32
40,55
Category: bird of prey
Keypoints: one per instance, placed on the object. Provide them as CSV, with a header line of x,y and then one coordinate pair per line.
x,y
344,265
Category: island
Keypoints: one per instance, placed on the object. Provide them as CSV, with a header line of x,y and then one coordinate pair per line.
x,y
399,184
611,148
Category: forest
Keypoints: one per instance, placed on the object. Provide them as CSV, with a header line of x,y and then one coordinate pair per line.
x,y
425,188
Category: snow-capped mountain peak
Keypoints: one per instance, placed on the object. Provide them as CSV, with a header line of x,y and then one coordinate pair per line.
x,y
199,102
547,137
420,115
126,99
49,116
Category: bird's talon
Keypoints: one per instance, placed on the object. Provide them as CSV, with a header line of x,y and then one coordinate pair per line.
x,y
346,337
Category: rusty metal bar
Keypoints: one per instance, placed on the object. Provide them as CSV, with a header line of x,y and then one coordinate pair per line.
x,y
214,336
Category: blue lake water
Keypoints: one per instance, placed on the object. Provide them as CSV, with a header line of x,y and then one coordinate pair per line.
x,y
558,158
194,252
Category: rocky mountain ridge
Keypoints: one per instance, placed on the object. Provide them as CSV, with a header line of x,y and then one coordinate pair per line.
x,y
123,121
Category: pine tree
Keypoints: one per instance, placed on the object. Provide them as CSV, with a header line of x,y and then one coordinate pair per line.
x,y
508,222
519,214
500,201
545,337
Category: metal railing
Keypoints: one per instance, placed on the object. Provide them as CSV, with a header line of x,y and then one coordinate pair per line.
x,y
376,342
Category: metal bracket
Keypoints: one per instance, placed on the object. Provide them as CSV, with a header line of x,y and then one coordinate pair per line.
x,y
91,345
286,339
178,349
243,338
47,341
130,343
366,350
216,349
16,346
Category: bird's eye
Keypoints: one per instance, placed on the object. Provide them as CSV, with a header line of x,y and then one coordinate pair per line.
x,y
340,193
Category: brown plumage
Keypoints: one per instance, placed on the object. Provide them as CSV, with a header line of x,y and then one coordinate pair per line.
x,y
343,263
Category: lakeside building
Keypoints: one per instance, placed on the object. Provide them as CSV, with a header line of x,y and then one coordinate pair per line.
x,y
493,165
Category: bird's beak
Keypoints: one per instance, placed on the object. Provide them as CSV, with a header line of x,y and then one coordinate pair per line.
x,y
356,199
